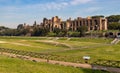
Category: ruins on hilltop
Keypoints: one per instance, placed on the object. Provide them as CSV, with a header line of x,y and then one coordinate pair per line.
x,y
91,23
98,23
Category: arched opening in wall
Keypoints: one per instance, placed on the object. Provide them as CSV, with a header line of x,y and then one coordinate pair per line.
x,y
110,33
49,26
118,35
70,28
91,28
61,26
103,24
96,25
84,22
90,22
52,27
87,23
77,24
65,26
55,26
80,23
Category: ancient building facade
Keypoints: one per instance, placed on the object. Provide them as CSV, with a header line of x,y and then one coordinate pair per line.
x,y
91,23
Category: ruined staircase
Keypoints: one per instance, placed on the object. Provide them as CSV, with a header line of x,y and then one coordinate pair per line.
x,y
115,41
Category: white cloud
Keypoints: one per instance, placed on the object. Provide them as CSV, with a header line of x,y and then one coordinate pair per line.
x,y
54,5
60,4
30,12
76,2
93,9
64,4
57,5
89,11
46,6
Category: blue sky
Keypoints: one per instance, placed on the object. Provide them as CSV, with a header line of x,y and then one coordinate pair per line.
x,y
14,12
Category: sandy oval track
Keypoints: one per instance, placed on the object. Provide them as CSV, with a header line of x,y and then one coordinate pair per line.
x,y
2,42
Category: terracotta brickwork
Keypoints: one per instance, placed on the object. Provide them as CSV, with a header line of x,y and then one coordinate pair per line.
x,y
91,23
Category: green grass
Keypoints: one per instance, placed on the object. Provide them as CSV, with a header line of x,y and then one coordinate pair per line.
x,y
71,50
30,45
14,65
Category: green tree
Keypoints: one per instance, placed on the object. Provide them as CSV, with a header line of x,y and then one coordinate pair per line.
x,y
57,31
82,30
113,18
114,26
97,16
37,31
20,26
63,32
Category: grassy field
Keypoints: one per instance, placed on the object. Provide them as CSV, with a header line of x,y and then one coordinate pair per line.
x,y
14,65
68,49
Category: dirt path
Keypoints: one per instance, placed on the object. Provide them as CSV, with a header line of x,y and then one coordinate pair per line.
x,y
95,67
45,60
20,44
55,43
2,42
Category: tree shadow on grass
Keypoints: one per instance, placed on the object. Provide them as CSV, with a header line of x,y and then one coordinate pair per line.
x,y
93,71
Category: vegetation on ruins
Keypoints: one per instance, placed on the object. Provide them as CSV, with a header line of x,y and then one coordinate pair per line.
x,y
114,26
82,30
113,18
35,30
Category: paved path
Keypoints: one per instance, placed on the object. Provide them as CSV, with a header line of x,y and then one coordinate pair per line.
x,y
110,69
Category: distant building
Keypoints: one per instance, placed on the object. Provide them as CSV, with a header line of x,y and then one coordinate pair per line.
x,y
98,23
91,23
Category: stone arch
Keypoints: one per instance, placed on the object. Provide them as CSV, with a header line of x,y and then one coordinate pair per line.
x,y
111,33
118,33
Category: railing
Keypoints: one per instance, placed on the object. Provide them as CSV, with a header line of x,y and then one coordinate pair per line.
x,y
109,63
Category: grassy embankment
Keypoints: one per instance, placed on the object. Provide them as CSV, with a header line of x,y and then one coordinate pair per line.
x,y
14,65
71,50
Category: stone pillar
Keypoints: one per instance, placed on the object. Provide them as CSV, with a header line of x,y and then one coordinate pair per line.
x,y
93,24
85,22
78,23
75,23
100,24
104,24
72,26
88,25
82,22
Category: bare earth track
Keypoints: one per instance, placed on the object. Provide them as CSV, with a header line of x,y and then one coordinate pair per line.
x,y
110,69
